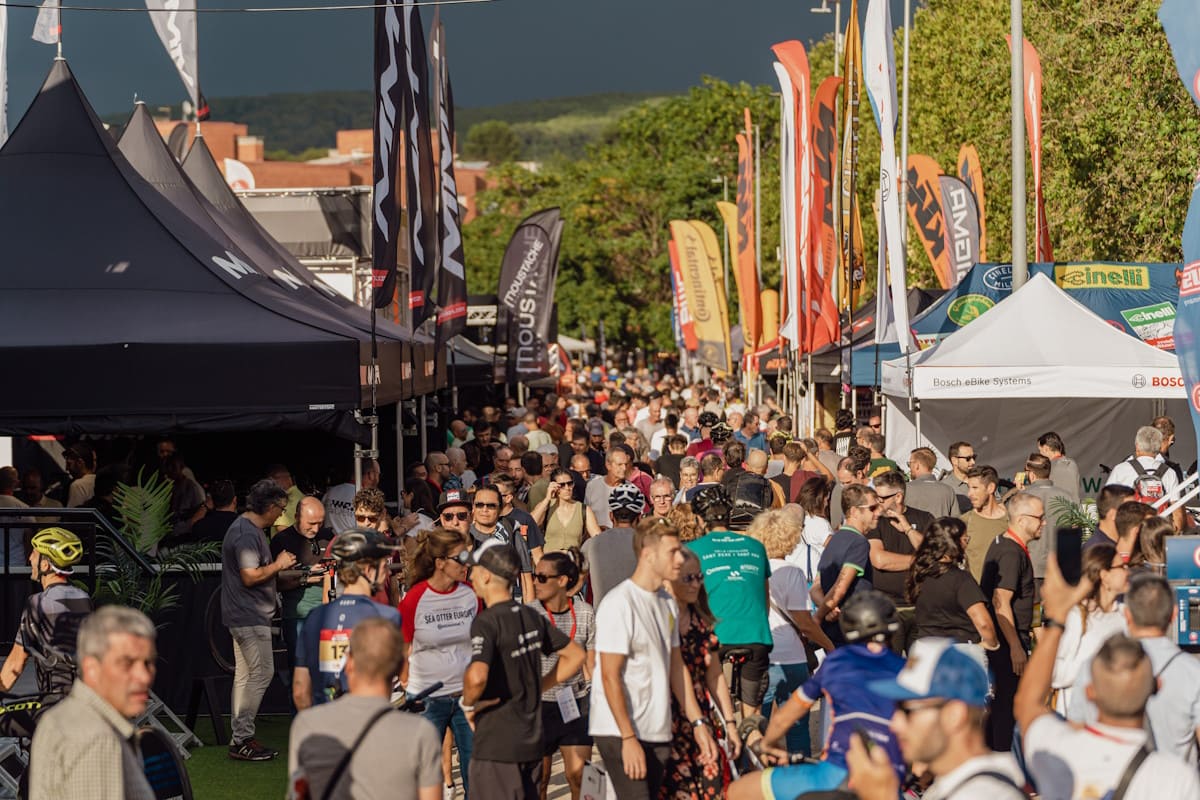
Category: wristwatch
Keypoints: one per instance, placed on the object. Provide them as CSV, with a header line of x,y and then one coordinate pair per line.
x,y
1053,623
699,722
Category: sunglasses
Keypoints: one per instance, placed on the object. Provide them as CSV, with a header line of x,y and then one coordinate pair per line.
x,y
540,578
966,458
907,709
695,578
458,515
564,484
487,505
463,558
368,518
886,496
873,507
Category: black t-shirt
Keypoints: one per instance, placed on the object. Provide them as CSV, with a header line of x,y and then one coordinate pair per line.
x,y
942,606
1007,566
533,534
511,639
307,552
212,527
48,631
847,547
893,583
668,466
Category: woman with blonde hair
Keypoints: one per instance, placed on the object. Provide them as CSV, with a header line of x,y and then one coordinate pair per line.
x,y
790,616
690,526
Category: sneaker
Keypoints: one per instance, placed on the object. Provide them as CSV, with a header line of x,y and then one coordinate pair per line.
x,y
251,750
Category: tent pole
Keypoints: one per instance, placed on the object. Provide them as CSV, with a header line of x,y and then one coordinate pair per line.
x,y
453,376
422,428
399,447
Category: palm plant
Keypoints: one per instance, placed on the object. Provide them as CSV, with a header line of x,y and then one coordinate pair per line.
x,y
144,508
1075,515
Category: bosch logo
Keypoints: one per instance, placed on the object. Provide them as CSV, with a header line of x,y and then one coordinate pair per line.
x,y
1139,380
1165,380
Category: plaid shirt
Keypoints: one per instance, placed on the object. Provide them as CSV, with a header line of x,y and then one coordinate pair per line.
x,y
82,749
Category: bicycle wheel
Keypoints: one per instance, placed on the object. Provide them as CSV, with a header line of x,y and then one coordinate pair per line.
x,y
220,642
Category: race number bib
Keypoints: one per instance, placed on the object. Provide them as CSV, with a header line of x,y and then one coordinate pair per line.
x,y
331,652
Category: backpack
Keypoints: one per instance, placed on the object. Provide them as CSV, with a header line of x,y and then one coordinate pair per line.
x,y
1148,486
751,495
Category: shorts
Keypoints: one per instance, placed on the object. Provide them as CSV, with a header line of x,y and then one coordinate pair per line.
x,y
500,780
785,783
557,733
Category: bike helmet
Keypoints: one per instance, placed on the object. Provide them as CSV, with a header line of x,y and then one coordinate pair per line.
x,y
708,419
360,544
720,433
712,504
868,617
62,547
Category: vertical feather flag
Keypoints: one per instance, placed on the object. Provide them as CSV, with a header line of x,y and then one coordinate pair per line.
x,y
452,277
928,218
385,211
970,172
175,23
853,261
962,227
750,313
712,252
1033,129
47,28
789,285
745,265
419,167
702,298
687,327
824,260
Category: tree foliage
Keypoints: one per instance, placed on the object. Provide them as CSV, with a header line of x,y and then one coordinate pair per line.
x,y
492,141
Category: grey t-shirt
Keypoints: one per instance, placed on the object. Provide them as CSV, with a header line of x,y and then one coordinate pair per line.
x,y
245,547
611,560
379,768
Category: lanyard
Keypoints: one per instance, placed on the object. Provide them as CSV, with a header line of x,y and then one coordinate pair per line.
x,y
1017,539
571,608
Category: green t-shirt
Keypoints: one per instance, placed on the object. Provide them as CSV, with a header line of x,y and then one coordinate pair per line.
x,y
735,571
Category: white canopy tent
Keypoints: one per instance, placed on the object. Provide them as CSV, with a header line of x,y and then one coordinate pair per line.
x,y
1039,361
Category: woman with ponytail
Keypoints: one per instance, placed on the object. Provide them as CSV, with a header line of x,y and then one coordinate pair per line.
x,y
436,617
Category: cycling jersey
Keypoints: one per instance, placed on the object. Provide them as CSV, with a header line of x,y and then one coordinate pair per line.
x,y
48,630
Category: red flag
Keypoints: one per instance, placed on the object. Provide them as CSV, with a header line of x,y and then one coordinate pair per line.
x,y
1033,129
747,262
686,325
797,323
823,263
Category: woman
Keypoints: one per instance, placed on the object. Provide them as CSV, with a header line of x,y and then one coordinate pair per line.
x,y
690,526
689,476
686,778
814,499
553,579
1151,555
1090,623
436,617
565,522
418,499
949,603
790,617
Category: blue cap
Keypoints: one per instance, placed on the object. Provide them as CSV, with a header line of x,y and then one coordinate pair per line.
x,y
936,668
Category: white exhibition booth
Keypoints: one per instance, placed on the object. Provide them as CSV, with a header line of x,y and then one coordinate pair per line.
x,y
1039,361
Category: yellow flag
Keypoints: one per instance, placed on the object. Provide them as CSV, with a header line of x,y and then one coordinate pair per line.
x,y
705,291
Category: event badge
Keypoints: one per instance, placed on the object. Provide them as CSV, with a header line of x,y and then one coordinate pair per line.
x,y
566,703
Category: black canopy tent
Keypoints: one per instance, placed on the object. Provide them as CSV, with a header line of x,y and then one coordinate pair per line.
x,y
119,313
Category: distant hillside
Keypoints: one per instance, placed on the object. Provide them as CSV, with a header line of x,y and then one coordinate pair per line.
x,y
297,122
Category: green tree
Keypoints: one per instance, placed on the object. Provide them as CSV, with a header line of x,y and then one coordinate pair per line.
x,y
492,141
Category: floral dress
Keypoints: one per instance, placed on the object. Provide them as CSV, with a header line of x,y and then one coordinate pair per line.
x,y
687,778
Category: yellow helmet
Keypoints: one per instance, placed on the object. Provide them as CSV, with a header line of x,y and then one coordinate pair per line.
x,y
62,547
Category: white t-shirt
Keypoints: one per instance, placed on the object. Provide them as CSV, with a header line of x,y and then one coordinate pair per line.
x,y
437,625
596,496
789,591
1077,646
339,507
1083,764
1124,474
644,627
808,550
959,784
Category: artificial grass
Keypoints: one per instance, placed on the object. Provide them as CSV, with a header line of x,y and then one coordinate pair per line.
x,y
216,776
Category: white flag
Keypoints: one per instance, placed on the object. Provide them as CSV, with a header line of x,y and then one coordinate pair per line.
x,y
238,175
175,22
48,26
3,74
879,75
789,328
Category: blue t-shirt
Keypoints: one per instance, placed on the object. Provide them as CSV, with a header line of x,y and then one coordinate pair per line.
x,y
843,678
325,637
736,569
847,548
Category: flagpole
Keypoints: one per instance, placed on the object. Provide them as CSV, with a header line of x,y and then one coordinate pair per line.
x,y
903,166
1020,255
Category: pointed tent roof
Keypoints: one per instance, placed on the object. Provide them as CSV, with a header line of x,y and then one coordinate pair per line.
x,y
235,219
119,308
1037,342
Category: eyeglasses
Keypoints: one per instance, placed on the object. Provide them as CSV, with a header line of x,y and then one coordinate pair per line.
x,y
970,457
1039,517
693,578
662,497
368,518
873,507
487,505
907,709
542,578
458,515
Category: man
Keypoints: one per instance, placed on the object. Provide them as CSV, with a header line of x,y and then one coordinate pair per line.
x,y
339,499
941,702
1173,712
825,452
534,433
962,460
321,737
457,457
776,462
460,434
749,434
1166,426
1064,473
248,599
649,420
9,480
736,572
437,470
799,466
690,425
503,685
751,493
845,566
283,476
843,436
216,521
987,518
520,520
1113,756
639,668
852,471
894,542
1127,522
662,497
879,462
667,465
1055,501
83,746
1110,498
712,472
48,628
875,421
301,588
80,459
597,444
601,486
926,492
1147,472
581,472
187,498
500,464
707,421
486,524
32,490
734,453
611,554
362,566
532,490
1009,587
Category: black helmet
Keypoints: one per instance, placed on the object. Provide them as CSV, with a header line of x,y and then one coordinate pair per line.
x,y
868,617
721,432
359,544
713,505
708,419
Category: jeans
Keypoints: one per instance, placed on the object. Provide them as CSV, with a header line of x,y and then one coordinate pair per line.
x,y
782,680
444,712
254,665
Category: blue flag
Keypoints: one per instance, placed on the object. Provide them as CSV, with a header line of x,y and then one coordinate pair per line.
x,y
1181,21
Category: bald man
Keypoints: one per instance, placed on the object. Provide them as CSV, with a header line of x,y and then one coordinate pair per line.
x,y
301,588
756,462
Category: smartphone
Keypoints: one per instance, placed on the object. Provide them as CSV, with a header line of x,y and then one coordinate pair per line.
x,y
1068,548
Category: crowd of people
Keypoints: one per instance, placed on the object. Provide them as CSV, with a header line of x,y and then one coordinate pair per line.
x,y
620,580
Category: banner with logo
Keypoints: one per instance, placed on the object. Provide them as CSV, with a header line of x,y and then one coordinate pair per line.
x,y
749,313
853,261
419,168
703,300
789,272
925,211
175,23
389,103
823,267
962,227
526,292
970,172
687,327
745,265
712,251
452,275
879,75
1138,298
1033,129
770,309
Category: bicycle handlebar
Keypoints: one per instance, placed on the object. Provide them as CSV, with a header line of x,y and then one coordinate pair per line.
x,y
409,702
